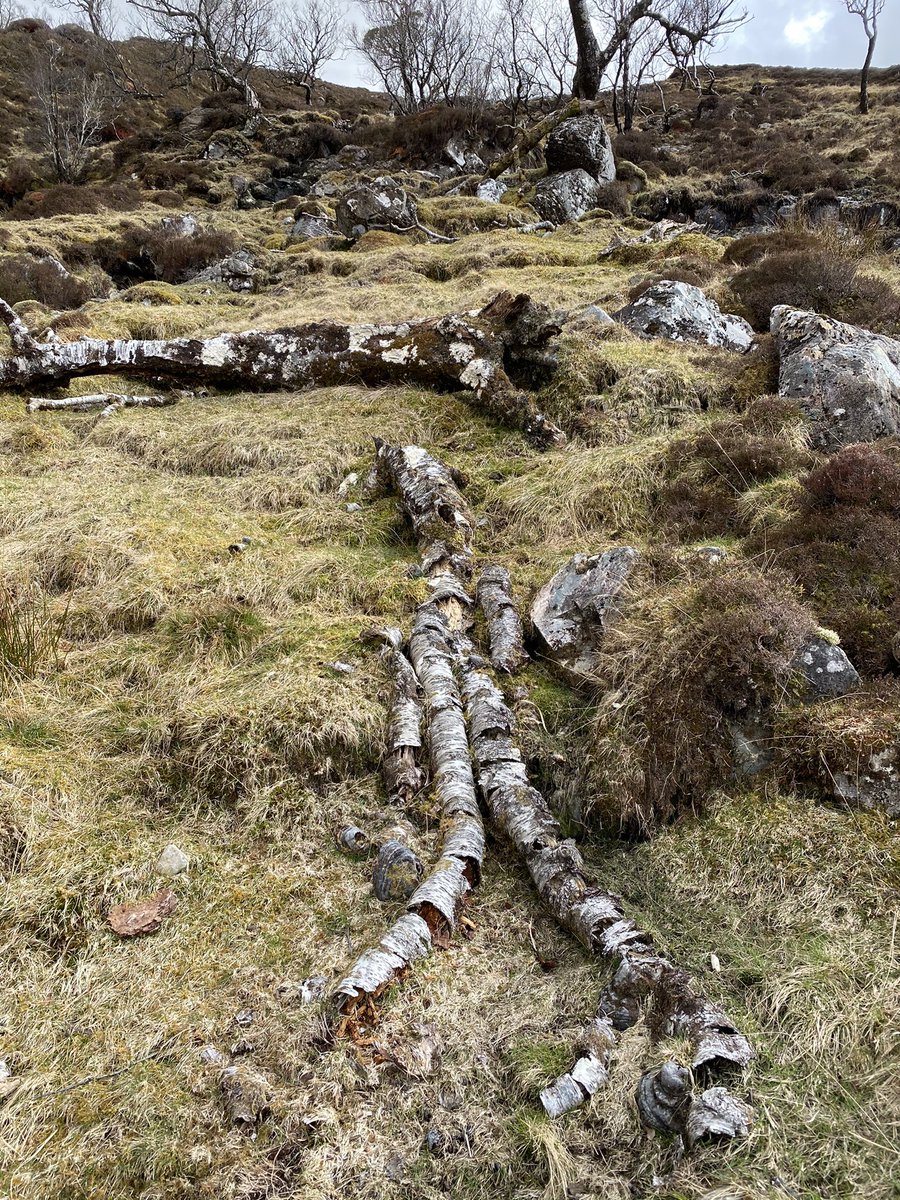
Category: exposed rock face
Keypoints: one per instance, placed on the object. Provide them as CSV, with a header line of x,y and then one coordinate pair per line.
x,y
875,784
581,142
826,669
237,272
309,226
382,204
682,313
571,612
847,378
491,190
566,197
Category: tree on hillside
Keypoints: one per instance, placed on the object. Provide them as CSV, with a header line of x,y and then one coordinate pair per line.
x,y
310,34
868,12
224,39
426,51
73,105
688,26
534,52
97,13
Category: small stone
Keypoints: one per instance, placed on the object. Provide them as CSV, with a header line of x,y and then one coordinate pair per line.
x,y
173,861
352,508
434,1141
343,668
211,1057
395,1167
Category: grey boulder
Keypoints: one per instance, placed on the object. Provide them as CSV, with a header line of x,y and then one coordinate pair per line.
x,y
566,197
846,378
572,611
237,272
491,190
680,312
875,784
581,142
382,204
825,670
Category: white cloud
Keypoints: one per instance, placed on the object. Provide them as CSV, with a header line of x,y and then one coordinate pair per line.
x,y
803,31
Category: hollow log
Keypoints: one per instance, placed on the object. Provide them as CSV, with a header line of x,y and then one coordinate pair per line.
x,y
462,351
505,635
644,981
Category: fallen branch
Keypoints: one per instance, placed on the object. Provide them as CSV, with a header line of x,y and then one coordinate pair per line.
x,y
504,624
468,351
107,402
403,775
644,980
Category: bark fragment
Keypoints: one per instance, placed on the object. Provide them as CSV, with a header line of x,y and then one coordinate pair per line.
x,y
505,633
460,351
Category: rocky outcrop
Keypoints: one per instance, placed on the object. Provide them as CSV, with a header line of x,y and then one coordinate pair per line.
x,y
581,143
680,312
382,204
237,271
566,197
571,612
874,784
491,190
847,378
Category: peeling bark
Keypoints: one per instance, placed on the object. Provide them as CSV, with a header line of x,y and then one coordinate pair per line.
x,y
442,523
462,351
403,776
665,1103
505,633
644,980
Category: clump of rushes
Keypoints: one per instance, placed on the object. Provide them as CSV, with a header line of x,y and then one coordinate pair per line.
x,y
30,633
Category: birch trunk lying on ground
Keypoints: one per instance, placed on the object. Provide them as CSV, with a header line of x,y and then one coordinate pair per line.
x,y
504,624
644,980
441,521
462,351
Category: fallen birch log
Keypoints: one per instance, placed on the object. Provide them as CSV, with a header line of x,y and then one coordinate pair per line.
x,y
644,980
505,634
443,526
403,774
462,351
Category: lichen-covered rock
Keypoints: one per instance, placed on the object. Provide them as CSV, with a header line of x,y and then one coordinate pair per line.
x,y
680,312
382,204
874,784
491,190
309,226
825,669
571,612
566,197
581,142
846,378
237,271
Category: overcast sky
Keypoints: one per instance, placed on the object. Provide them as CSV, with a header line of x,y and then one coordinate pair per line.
x,y
817,33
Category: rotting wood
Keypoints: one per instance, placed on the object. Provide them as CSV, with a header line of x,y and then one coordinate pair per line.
x,y
107,402
644,981
505,634
404,777
441,521
470,351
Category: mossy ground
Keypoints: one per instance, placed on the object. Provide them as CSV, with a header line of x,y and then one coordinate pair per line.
x,y
197,703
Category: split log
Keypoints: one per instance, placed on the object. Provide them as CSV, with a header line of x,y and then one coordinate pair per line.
x,y
107,402
644,980
403,775
494,593
468,351
440,518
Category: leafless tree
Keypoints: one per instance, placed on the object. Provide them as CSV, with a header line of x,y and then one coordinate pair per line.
x,y
98,14
637,60
73,106
9,12
533,47
868,12
689,26
310,34
426,51
224,39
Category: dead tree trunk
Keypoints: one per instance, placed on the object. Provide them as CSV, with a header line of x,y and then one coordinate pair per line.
x,y
442,524
465,351
644,980
504,624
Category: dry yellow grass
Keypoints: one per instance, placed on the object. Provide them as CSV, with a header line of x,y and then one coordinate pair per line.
x,y
197,704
